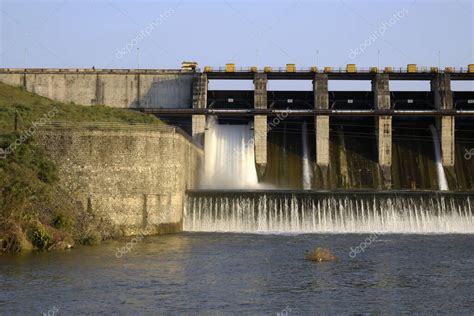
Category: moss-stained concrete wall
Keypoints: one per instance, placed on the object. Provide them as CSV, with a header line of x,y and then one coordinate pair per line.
x,y
136,180
117,88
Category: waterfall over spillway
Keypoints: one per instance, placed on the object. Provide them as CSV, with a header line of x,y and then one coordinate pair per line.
x,y
229,159
306,163
442,182
330,213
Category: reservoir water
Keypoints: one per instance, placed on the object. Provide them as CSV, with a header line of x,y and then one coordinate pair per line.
x,y
258,274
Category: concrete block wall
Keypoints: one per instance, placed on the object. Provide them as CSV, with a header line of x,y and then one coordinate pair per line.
x,y
260,123
116,88
134,179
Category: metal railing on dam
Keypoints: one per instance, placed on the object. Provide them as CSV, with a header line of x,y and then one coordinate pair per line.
x,y
423,69
282,73
306,112
340,73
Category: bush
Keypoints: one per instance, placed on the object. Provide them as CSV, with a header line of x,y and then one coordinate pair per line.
x,y
40,238
61,221
14,239
93,238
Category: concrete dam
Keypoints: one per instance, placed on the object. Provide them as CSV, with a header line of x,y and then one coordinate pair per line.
x,y
265,160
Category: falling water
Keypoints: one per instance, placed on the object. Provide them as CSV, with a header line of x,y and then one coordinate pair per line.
x,y
306,162
330,213
229,159
442,182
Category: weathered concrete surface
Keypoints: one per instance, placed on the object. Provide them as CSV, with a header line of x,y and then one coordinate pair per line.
x,y
200,87
321,102
443,96
134,179
116,88
260,123
260,136
447,140
381,90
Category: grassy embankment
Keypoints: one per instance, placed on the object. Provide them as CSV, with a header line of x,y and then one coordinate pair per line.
x,y
35,211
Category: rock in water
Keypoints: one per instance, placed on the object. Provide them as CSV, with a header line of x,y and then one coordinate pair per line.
x,y
319,255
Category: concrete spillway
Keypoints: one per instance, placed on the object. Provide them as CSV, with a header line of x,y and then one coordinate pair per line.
x,y
442,182
229,157
307,172
299,212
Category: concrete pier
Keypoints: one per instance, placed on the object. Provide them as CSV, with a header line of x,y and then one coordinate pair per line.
x,y
321,102
260,123
381,90
200,85
443,97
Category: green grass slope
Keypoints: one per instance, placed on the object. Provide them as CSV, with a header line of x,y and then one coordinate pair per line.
x,y
35,211
31,108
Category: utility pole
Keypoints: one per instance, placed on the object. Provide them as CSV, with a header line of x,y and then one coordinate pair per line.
x,y
138,57
26,58
378,58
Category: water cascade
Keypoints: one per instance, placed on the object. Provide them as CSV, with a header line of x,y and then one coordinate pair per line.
x,y
330,213
442,182
306,161
229,159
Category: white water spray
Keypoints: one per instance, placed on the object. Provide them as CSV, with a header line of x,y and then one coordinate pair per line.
x,y
229,158
307,174
442,182
331,213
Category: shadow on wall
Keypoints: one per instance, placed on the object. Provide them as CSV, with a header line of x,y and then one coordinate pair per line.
x,y
174,92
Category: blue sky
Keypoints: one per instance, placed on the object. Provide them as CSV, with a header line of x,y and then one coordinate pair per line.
x,y
81,33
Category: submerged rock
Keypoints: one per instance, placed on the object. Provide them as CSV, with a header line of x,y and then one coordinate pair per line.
x,y
319,255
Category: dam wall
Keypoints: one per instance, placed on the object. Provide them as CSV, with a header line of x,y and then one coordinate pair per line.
x,y
133,179
117,88
378,139
353,156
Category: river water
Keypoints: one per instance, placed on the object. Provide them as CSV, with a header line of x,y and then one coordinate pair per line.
x,y
263,274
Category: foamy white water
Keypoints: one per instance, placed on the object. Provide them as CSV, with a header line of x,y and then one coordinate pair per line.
x,y
229,158
329,214
307,171
442,182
